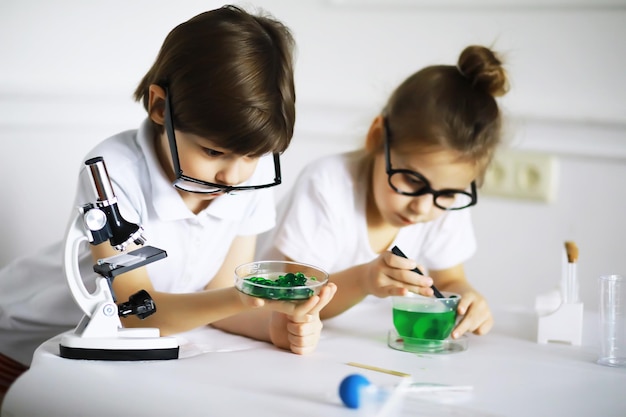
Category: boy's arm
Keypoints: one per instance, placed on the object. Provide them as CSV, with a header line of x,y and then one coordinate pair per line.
x,y
254,323
288,325
175,312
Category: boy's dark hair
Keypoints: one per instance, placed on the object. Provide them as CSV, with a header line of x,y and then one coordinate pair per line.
x,y
230,78
452,106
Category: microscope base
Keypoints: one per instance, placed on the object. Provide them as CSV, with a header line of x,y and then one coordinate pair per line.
x,y
73,346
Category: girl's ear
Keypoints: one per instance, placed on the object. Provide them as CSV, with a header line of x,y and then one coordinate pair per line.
x,y
375,135
156,104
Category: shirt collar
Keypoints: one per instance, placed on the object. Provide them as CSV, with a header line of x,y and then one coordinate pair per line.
x,y
165,199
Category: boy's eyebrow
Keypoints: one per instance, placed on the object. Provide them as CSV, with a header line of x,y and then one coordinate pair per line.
x,y
205,141
208,143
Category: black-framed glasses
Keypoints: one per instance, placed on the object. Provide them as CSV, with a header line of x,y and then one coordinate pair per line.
x,y
411,183
194,185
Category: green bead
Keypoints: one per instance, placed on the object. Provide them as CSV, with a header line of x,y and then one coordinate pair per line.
x,y
282,288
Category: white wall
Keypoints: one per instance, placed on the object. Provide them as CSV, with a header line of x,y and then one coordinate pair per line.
x,y
68,69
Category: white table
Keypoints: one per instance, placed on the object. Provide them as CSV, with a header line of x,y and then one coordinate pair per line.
x,y
220,374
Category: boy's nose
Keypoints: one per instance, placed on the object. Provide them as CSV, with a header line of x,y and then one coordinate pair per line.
x,y
228,174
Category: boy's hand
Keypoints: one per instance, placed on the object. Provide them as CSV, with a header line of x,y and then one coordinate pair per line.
x,y
296,326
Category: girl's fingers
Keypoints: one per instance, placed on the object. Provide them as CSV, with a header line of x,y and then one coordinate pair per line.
x,y
484,328
461,328
477,319
464,304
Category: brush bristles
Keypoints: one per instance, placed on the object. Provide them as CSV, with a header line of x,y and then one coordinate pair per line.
x,y
572,251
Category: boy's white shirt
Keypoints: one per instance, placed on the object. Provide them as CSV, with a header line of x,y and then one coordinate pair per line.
x,y
35,301
321,221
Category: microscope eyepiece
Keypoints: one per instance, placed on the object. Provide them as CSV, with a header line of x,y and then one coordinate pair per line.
x,y
120,232
101,180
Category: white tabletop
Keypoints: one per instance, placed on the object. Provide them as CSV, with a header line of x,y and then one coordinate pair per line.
x,y
219,374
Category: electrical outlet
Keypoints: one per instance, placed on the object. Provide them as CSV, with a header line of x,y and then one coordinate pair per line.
x,y
522,175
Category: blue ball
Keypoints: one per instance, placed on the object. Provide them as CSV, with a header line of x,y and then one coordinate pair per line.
x,y
350,390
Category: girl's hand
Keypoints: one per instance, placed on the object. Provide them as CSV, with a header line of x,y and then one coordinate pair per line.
x,y
297,326
476,314
390,274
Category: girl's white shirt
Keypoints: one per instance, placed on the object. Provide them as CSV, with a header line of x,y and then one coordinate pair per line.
x,y
322,221
35,301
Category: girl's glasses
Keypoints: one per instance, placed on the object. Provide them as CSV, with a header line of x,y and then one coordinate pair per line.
x,y
411,183
194,185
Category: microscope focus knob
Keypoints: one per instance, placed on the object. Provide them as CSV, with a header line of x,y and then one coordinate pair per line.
x,y
95,219
139,304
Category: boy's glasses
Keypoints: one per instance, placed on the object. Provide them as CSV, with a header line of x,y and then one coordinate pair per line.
x,y
411,183
194,185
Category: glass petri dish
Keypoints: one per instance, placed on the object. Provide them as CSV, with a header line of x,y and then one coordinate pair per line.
x,y
426,346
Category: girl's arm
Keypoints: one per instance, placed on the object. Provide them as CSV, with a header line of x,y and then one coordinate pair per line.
x,y
385,276
350,291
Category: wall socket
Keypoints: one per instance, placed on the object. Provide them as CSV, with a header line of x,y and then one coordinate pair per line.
x,y
522,175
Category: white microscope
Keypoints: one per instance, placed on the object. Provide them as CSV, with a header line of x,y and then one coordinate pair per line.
x,y
100,335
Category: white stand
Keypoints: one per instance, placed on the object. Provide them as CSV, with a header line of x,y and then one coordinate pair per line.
x,y
100,334
563,325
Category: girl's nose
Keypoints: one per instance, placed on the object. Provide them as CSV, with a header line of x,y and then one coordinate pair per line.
x,y
422,204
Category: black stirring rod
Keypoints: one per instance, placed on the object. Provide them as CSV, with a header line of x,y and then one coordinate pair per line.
x,y
396,251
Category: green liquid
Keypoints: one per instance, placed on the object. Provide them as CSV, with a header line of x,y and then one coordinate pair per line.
x,y
424,325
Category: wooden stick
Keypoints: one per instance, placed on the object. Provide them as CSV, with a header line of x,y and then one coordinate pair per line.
x,y
377,369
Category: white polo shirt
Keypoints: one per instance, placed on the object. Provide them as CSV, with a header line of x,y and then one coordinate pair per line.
x,y
322,222
35,301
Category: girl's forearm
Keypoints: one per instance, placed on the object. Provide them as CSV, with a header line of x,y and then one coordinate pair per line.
x,y
350,291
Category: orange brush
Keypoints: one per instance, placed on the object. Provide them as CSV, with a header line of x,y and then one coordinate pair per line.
x,y
572,251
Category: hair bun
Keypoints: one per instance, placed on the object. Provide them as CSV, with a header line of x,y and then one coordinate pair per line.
x,y
484,69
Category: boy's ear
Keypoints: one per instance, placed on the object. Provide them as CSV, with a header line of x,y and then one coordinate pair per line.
x,y
375,135
156,104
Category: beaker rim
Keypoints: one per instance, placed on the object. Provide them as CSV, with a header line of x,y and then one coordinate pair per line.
x,y
612,277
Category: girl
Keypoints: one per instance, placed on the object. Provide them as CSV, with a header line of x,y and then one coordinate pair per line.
x,y
411,186
196,175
